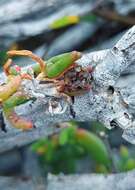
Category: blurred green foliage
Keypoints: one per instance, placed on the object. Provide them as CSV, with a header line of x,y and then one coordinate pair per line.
x,y
125,161
61,152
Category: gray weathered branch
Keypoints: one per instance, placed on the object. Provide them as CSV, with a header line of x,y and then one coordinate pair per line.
x,y
122,181
101,103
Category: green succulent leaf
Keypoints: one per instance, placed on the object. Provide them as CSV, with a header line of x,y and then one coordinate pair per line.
x,y
67,134
94,146
63,137
64,21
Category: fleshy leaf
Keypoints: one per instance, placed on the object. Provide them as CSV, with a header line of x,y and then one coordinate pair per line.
x,y
64,21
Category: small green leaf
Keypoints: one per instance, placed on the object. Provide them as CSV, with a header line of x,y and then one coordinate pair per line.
x,y
67,134
64,21
63,137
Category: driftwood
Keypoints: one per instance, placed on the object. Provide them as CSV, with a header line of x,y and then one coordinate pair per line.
x,y
107,102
